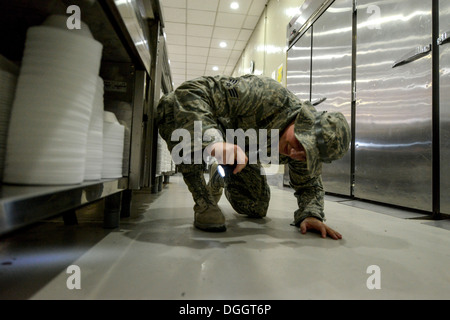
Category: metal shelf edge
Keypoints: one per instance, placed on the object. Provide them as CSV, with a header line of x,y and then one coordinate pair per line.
x,y
23,205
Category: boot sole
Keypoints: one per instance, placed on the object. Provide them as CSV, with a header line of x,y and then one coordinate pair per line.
x,y
211,227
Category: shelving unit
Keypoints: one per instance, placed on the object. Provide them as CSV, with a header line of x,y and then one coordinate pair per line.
x,y
133,58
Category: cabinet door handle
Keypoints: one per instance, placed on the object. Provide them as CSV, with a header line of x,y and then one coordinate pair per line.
x,y
413,55
444,38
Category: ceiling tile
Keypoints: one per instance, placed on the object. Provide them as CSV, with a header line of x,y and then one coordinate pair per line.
x,y
217,61
195,28
230,20
197,51
215,43
195,59
226,33
198,41
220,53
229,70
208,5
178,65
177,57
178,78
199,31
257,7
201,17
250,22
239,45
212,73
173,3
245,34
175,28
232,61
195,66
176,39
235,54
225,6
177,71
176,49
174,15
194,74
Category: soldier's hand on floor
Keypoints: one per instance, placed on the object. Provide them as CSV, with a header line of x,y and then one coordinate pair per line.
x,y
317,225
228,153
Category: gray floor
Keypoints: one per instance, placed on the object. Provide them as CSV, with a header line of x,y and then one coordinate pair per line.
x,y
157,254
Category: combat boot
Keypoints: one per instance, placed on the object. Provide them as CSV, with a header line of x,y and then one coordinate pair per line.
x,y
208,216
215,183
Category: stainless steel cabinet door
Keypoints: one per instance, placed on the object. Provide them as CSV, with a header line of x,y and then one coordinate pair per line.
x,y
332,79
444,108
394,103
298,76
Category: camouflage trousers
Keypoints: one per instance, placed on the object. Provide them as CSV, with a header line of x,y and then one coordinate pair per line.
x,y
248,191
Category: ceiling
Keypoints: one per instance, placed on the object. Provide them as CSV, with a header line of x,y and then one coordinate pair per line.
x,y
195,30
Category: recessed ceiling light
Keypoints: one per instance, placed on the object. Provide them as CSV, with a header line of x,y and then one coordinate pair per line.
x,y
234,5
215,68
223,44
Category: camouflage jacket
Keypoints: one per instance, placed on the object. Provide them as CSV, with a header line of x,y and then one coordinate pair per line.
x,y
247,102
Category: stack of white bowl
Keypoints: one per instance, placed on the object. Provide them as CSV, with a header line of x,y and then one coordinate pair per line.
x,y
164,158
94,148
53,104
8,82
113,142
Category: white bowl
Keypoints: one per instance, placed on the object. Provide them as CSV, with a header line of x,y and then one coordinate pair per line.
x,y
62,56
59,41
30,85
49,34
60,74
109,117
61,21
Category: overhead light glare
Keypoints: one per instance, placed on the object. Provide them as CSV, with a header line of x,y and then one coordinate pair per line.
x,y
223,44
234,5
215,68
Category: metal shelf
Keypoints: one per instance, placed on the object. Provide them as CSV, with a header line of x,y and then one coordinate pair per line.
x,y
22,205
127,57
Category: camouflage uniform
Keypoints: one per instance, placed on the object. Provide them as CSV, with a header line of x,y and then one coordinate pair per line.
x,y
247,102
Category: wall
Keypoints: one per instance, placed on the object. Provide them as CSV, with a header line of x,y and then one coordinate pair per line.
x,y
267,45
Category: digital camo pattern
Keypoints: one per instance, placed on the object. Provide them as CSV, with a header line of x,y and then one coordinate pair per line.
x,y
221,103
248,102
326,136
248,191
308,191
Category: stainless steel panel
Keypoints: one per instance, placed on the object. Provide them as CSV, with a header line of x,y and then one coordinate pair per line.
x,y
444,116
394,104
332,79
308,13
298,76
137,28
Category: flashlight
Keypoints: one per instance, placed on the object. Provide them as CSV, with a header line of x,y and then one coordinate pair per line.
x,y
225,170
